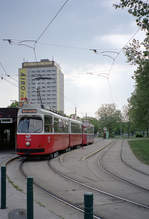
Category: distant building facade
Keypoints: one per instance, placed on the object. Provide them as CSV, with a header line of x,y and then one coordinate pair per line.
x,y
42,81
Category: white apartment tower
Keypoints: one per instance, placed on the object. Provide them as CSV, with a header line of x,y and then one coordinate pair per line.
x,y
42,79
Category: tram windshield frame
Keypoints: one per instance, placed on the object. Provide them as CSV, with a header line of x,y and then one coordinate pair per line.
x,y
30,124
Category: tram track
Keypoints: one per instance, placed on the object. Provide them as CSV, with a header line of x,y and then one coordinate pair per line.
x,y
120,178
108,171
53,195
7,158
95,190
100,191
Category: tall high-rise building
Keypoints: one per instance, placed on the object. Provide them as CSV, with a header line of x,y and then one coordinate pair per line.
x,y
42,83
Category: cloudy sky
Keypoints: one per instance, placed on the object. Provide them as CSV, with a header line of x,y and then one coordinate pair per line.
x,y
86,39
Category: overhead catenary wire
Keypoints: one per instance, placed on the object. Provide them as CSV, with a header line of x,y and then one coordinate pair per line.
x,y
26,42
2,66
5,73
51,21
2,78
23,42
107,75
116,57
96,51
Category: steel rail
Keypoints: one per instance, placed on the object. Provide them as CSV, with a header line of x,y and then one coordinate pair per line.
x,y
118,176
62,200
95,189
99,190
114,175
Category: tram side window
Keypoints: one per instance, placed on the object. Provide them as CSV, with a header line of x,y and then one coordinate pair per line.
x,y
60,125
76,128
57,125
65,126
48,123
85,130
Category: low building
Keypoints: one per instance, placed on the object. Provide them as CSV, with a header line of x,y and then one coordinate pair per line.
x,y
8,126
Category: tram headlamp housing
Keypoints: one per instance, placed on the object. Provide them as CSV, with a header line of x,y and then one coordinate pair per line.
x,y
27,143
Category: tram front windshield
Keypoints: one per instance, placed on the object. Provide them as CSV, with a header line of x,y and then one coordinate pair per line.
x,y
30,125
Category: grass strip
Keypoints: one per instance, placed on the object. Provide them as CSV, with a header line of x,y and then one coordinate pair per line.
x,y
141,149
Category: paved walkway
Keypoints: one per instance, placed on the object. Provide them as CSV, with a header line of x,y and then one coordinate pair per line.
x,y
17,200
16,205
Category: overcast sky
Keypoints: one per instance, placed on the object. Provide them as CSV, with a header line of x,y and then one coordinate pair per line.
x,y
91,79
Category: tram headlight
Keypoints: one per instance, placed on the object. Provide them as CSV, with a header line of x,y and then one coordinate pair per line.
x,y
27,143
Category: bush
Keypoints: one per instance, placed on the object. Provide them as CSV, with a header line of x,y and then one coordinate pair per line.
x,y
139,135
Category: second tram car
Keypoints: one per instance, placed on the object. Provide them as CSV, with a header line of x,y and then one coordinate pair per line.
x,y
88,134
43,132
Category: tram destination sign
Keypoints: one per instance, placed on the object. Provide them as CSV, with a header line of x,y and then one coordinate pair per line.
x,y
29,111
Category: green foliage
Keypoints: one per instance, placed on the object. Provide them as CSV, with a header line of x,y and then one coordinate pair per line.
x,y
14,104
137,8
110,118
139,101
138,54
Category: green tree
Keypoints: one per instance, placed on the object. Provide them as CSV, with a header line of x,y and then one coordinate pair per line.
x,y
128,125
14,104
110,118
137,8
138,54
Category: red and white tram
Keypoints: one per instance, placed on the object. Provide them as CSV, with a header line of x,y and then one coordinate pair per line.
x,y
42,132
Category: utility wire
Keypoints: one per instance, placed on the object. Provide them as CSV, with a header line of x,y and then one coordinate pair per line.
x,y
23,42
107,75
2,78
2,66
51,21
64,46
114,60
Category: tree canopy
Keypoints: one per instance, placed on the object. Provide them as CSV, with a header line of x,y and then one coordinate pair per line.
x,y
109,117
14,104
137,8
138,54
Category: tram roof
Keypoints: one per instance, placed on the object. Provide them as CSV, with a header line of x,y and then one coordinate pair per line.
x,y
33,109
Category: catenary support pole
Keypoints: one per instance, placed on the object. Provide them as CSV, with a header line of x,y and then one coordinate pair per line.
x,y
3,187
88,205
30,207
